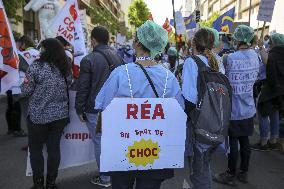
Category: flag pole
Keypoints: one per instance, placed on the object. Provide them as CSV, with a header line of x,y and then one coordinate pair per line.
x,y
249,11
173,4
262,31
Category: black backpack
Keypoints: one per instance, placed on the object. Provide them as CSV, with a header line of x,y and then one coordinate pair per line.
x,y
210,118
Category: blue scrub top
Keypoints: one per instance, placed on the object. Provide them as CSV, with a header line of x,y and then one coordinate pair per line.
x,y
189,91
242,70
117,85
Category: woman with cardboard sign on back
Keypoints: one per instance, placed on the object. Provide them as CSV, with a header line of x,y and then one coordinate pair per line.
x,y
143,79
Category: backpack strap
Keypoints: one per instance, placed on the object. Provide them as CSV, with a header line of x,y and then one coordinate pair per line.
x,y
110,65
200,64
149,79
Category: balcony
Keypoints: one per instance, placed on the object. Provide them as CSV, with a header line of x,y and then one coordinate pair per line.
x,y
86,2
112,6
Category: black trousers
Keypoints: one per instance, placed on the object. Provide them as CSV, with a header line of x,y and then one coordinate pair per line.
x,y
49,134
125,182
234,154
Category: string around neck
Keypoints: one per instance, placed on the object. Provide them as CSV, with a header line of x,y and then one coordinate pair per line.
x,y
129,82
143,58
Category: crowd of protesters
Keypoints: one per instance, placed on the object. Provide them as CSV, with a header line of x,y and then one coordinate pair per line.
x,y
47,76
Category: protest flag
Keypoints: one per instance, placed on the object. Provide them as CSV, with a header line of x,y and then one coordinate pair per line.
x,y
68,25
167,26
225,22
190,22
9,75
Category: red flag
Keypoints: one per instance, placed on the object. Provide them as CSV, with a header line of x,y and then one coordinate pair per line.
x,y
167,26
8,53
150,17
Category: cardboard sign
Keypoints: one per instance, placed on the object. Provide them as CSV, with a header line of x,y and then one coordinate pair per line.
x,y
143,134
266,10
76,144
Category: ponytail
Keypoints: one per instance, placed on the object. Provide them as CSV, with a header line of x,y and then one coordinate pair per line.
x,y
213,63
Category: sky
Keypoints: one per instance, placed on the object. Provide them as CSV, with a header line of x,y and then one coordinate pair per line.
x,y
161,9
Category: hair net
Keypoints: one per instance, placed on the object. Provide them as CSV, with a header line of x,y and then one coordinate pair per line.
x,y
277,39
172,51
153,37
243,33
216,36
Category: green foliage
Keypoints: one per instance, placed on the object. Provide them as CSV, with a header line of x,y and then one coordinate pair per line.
x,y
209,22
104,18
138,13
12,7
129,35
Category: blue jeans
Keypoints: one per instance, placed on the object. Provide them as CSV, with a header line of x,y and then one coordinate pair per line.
x,y
269,123
201,171
96,137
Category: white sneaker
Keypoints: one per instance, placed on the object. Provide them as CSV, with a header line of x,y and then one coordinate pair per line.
x,y
97,181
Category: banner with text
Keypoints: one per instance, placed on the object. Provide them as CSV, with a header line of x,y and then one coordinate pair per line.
x,y
143,134
68,25
76,144
9,75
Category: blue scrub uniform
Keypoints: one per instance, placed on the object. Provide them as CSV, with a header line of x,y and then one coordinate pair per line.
x,y
117,86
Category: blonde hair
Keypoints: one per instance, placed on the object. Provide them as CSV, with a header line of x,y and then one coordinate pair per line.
x,y
213,63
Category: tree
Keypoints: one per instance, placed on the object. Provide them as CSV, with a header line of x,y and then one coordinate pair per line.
x,y
12,7
209,22
138,13
103,17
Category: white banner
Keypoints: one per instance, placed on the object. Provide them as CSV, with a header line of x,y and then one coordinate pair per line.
x,y
68,25
180,27
76,144
120,39
143,134
29,56
9,75
87,37
265,11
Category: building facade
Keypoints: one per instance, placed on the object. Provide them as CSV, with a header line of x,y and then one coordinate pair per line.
x,y
245,11
125,4
187,7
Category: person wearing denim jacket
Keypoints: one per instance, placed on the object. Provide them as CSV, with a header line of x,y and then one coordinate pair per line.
x,y
242,70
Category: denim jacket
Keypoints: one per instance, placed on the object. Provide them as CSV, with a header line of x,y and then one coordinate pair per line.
x,y
242,70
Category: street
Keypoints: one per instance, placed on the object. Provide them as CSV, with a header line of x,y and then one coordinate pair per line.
x,y
266,169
